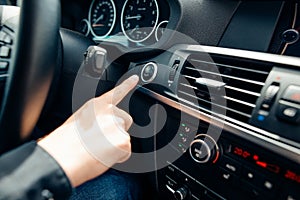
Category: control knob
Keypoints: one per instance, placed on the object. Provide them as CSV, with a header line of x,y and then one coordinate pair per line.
x,y
181,194
204,149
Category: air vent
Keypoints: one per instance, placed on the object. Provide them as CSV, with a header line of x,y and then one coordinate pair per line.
x,y
233,81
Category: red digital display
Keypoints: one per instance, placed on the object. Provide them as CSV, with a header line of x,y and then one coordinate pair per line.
x,y
255,159
264,162
241,152
270,167
292,176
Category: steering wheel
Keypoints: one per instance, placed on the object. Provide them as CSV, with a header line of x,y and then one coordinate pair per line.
x,y
31,70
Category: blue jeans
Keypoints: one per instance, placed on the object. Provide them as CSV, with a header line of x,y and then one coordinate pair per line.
x,y
112,185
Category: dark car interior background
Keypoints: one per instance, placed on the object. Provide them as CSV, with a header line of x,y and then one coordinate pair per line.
x,y
225,72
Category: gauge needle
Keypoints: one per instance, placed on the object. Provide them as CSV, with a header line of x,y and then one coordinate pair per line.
x,y
133,30
138,17
99,18
98,25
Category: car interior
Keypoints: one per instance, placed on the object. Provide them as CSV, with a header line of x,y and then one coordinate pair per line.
x,y
217,108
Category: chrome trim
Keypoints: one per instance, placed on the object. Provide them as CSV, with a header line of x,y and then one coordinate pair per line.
x,y
157,29
223,75
267,57
189,86
153,75
230,66
289,104
99,37
241,129
170,189
240,101
203,100
242,90
153,28
293,26
4,75
205,146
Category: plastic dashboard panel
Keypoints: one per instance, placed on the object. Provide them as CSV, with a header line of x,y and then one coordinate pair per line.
x,y
211,23
274,147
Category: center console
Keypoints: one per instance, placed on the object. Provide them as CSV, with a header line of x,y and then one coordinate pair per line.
x,y
230,168
233,121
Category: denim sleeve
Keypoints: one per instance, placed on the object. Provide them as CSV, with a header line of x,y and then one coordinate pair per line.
x,y
29,172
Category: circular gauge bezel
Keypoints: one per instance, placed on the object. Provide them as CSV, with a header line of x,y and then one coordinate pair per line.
x,y
88,26
157,28
113,23
153,28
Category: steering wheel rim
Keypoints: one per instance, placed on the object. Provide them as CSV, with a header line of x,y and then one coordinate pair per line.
x,y
31,70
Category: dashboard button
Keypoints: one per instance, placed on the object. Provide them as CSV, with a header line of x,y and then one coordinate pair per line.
x,y
187,129
171,172
231,165
251,176
4,37
200,151
5,52
174,70
268,185
292,93
3,65
204,149
170,182
227,177
149,72
288,111
270,96
290,36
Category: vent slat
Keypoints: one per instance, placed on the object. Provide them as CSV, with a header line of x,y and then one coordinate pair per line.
x,y
243,91
243,81
227,76
233,104
230,66
230,96
210,103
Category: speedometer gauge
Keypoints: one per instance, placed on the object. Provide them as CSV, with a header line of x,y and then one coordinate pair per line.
x,y
102,17
139,19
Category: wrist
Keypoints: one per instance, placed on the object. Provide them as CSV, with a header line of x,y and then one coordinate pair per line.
x,y
65,147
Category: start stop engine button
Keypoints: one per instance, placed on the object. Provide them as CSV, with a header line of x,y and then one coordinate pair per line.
x,y
149,72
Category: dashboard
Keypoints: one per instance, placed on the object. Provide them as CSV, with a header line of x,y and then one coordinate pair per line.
x,y
131,23
227,77
217,109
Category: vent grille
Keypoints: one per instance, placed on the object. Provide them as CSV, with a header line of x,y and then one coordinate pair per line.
x,y
236,84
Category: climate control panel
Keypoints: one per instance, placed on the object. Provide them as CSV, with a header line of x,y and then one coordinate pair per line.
x,y
210,166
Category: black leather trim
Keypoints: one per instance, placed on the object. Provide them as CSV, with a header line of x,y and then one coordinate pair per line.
x,y
74,46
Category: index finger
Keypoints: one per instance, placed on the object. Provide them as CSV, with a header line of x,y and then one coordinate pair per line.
x,y
118,93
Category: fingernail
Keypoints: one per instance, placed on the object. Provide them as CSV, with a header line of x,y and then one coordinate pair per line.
x,y
134,78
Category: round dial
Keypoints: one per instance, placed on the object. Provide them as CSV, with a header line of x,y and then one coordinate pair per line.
x,y
181,193
102,17
139,19
204,149
84,27
159,31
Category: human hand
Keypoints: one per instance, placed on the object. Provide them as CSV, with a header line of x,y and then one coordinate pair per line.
x,y
94,138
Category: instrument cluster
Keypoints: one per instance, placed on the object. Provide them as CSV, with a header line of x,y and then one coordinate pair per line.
x,y
127,21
